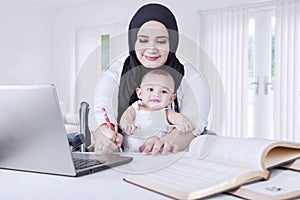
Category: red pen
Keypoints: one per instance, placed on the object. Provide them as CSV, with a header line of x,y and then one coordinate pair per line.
x,y
109,124
107,120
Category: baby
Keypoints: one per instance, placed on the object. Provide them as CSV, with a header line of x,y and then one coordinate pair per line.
x,y
150,117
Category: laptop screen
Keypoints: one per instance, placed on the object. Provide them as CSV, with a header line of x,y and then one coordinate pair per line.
x,y
32,132
33,136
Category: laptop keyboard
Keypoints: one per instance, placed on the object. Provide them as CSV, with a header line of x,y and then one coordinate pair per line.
x,y
85,163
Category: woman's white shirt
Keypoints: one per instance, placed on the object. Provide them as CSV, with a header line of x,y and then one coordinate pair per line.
x,y
193,95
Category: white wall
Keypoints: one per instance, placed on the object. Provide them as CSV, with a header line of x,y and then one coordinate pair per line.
x,y
25,44
64,31
102,12
37,42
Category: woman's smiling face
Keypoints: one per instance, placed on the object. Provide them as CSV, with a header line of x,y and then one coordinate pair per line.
x,y
152,45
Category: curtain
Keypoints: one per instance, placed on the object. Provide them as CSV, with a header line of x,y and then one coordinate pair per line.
x,y
95,48
287,72
224,36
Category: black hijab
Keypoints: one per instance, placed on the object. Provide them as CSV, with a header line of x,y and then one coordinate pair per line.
x,y
133,70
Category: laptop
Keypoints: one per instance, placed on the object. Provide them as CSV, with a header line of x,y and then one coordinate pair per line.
x,y
33,136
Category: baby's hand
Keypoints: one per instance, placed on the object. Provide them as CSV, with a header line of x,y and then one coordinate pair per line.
x,y
129,127
186,126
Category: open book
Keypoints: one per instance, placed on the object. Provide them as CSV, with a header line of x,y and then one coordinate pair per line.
x,y
295,165
282,184
216,164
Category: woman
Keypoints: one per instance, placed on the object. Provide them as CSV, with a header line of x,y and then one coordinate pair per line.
x,y
153,41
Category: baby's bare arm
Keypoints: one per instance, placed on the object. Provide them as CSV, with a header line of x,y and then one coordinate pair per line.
x,y
181,122
127,121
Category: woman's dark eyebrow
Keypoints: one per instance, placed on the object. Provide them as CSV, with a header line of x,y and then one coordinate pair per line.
x,y
143,36
166,37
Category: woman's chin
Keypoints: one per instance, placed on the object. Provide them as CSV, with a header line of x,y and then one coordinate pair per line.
x,y
152,64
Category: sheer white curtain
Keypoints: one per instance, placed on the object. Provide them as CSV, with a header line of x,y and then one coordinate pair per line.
x,y
287,71
88,56
224,35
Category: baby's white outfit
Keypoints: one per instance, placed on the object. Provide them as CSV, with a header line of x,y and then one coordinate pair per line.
x,y
152,123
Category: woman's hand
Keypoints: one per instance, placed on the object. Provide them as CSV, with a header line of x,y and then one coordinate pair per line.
x,y
148,145
106,140
173,142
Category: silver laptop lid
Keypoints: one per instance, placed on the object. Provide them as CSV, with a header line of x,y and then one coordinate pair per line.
x,y
32,132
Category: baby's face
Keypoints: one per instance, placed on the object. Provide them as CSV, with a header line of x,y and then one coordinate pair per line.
x,y
156,91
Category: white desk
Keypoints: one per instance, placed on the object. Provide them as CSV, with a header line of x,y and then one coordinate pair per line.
x,y
106,184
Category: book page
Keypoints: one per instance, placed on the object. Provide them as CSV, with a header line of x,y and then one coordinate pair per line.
x,y
282,184
295,165
280,155
223,196
240,151
147,163
190,177
214,164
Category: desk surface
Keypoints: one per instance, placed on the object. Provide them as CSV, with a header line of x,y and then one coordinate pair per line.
x,y
106,184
